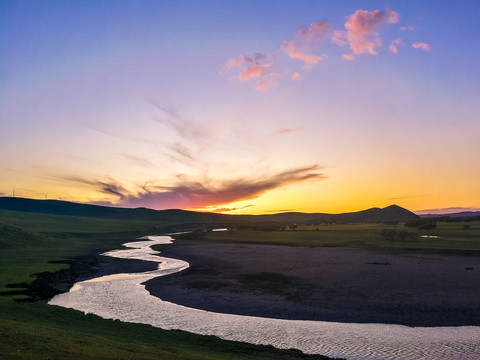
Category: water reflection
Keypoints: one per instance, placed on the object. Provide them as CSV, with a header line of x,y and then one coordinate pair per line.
x,y
123,297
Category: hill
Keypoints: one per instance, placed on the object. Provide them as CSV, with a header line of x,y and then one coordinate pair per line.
x,y
390,213
58,207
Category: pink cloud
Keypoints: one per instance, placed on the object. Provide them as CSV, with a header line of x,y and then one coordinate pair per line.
x,y
308,38
237,61
286,131
314,33
397,41
266,82
253,71
290,48
361,26
297,76
360,34
393,46
423,46
339,37
256,67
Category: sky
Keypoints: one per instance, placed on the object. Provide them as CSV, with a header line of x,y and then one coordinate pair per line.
x,y
242,106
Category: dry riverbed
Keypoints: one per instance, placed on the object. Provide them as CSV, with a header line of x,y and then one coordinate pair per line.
x,y
328,284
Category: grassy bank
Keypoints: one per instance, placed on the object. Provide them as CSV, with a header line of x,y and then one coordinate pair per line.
x,y
39,331
41,252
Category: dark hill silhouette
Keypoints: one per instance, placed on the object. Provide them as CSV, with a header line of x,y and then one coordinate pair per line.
x,y
58,207
390,213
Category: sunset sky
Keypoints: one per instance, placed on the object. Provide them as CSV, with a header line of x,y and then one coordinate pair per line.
x,y
242,106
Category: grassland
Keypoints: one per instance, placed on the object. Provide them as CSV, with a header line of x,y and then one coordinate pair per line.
x,y
42,254
446,238
39,252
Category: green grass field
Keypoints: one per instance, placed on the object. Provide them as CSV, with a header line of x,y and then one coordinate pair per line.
x,y
448,237
29,242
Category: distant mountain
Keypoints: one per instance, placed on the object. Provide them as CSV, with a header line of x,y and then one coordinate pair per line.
x,y
453,215
390,213
58,207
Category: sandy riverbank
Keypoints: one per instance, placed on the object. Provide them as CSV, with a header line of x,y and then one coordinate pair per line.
x,y
328,284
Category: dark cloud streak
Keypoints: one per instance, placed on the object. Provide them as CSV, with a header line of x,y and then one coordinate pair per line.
x,y
193,194
188,195
139,161
407,197
111,188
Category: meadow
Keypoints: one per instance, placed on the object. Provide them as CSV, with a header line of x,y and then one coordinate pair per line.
x,y
42,254
446,238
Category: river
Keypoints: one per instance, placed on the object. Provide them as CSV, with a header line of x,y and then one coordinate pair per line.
x,y
123,297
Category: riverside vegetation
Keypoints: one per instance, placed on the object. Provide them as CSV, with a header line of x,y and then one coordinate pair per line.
x,y
459,237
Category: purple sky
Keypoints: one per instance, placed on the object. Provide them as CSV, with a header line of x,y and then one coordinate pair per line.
x,y
251,106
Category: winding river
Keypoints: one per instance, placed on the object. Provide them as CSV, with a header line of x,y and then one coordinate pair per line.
x,y
123,297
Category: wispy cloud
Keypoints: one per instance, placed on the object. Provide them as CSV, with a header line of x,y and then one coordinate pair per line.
x,y
181,151
297,76
422,46
407,28
109,187
138,160
258,66
314,33
308,38
279,211
290,48
188,194
268,81
185,129
118,134
253,71
407,197
397,41
237,61
195,195
286,131
193,136
225,209
394,45
449,210
348,57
